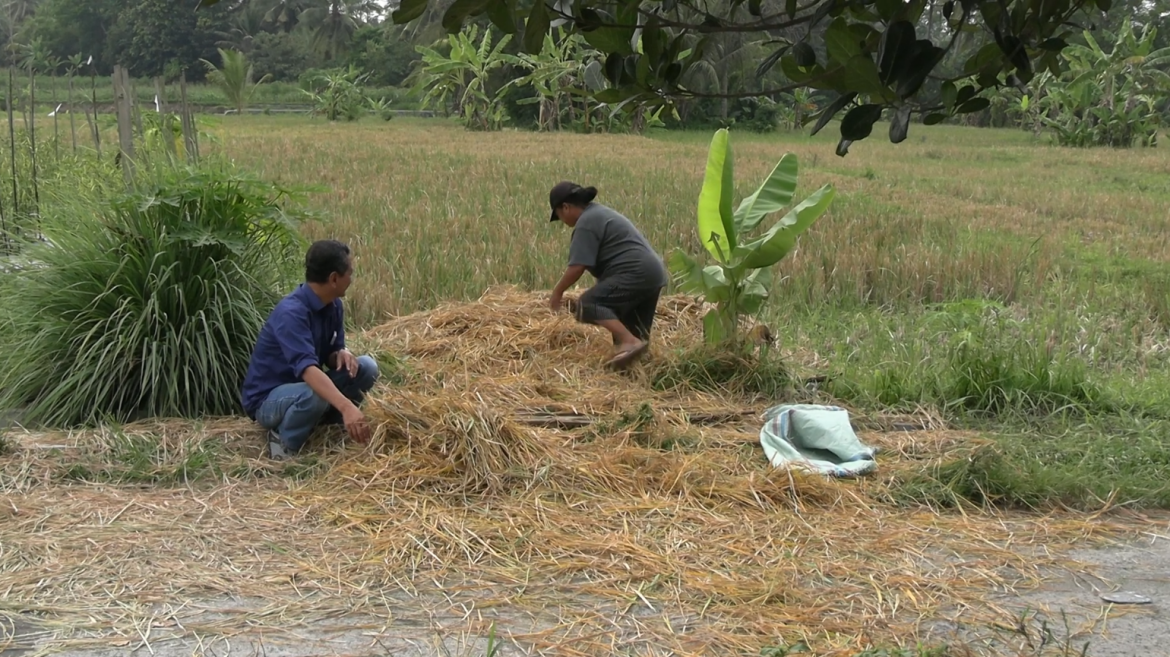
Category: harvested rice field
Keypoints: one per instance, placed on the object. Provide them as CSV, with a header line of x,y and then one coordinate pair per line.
x,y
519,499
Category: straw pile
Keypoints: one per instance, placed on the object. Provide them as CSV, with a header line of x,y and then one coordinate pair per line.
x,y
513,468
511,480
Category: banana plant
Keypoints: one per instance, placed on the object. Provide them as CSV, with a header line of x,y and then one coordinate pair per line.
x,y
737,282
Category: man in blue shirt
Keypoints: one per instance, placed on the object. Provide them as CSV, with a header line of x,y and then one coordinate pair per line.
x,y
286,388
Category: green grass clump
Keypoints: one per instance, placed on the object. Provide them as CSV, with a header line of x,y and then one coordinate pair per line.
x,y
720,370
1081,467
146,303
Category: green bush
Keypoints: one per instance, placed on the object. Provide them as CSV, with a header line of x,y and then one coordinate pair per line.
x,y
146,303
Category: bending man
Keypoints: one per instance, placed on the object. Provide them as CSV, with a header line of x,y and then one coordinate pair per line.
x,y
630,274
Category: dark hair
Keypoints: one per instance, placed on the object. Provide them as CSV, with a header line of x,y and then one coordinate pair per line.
x,y
326,257
581,196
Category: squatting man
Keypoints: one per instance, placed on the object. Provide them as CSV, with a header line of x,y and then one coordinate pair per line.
x,y
286,389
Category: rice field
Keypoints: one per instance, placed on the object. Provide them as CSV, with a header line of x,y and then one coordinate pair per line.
x,y
438,214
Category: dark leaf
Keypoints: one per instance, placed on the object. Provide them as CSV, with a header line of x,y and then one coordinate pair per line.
x,y
829,112
888,9
949,94
673,73
895,50
989,54
615,96
921,65
899,124
988,79
790,8
642,70
503,15
754,7
537,27
911,11
627,13
610,39
653,42
614,64
964,94
458,12
1104,5
804,54
862,13
823,9
408,10
864,35
792,70
861,75
991,12
948,9
932,119
770,61
839,42
206,3
673,50
858,122
843,147
1055,44
973,105
1014,49
589,19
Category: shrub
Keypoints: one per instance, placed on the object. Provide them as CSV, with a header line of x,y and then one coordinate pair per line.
x,y
146,303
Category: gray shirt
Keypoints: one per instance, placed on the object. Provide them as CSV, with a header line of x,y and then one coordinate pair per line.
x,y
608,245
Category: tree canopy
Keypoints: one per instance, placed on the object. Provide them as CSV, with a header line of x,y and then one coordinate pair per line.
x,y
874,56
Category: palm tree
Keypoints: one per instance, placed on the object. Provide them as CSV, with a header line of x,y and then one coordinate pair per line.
x,y
235,78
334,21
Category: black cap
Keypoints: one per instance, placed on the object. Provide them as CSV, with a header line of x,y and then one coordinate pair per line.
x,y
569,191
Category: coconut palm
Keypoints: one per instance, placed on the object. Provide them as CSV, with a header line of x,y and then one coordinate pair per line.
x,y
234,79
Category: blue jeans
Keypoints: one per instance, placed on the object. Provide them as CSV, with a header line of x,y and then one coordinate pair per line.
x,y
294,410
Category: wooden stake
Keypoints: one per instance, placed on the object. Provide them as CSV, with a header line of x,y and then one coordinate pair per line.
x,y
164,117
190,138
72,122
12,145
125,124
32,133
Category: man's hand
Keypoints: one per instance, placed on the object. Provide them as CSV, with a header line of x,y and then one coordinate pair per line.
x,y
356,425
344,360
554,302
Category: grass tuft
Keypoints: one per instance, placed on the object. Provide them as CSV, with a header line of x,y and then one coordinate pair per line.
x,y
1089,467
147,304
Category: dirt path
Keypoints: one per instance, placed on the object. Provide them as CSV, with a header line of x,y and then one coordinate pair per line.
x,y
407,630
1072,604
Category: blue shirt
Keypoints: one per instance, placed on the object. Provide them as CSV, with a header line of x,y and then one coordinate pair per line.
x,y
301,332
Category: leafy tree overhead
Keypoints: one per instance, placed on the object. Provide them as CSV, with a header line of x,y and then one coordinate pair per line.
x,y
871,54
150,38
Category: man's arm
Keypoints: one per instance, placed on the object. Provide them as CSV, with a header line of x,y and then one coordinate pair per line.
x,y
572,274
